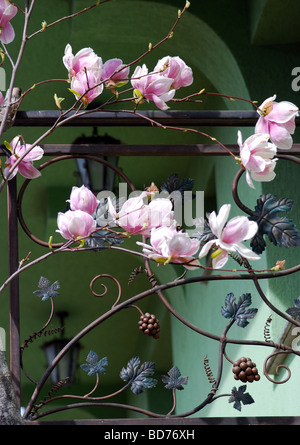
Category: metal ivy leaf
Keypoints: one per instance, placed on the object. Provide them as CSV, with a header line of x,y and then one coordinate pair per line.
x,y
280,230
94,366
46,289
237,311
239,396
137,377
204,233
173,184
174,381
102,237
294,311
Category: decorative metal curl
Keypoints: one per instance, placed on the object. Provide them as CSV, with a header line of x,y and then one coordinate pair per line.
x,y
148,272
267,334
277,368
105,287
208,371
58,385
36,335
39,334
136,271
240,260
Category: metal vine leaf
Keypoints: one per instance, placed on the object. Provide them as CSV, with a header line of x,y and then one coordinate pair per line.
x,y
94,366
294,311
103,237
204,233
174,379
46,289
238,311
280,230
137,377
174,184
238,397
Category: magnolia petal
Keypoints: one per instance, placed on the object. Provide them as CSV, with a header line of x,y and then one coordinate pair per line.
x,y
68,57
76,227
282,112
256,164
6,172
266,177
249,180
185,79
86,58
245,252
27,170
218,222
206,248
168,96
137,80
159,103
220,260
111,208
252,229
290,126
262,125
7,34
257,140
180,245
112,65
160,235
280,136
245,154
160,85
34,154
239,229
267,152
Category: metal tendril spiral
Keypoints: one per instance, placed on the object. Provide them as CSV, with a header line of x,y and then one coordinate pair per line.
x,y
208,371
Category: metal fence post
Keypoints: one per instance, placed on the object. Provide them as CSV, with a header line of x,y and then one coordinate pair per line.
x,y
14,285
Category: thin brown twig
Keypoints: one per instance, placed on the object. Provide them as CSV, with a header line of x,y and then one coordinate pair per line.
x,y
67,17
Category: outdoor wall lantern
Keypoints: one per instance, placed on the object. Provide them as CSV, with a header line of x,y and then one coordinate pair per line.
x,y
94,175
67,366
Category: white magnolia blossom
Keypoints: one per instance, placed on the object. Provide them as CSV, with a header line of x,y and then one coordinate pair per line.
x,y
229,237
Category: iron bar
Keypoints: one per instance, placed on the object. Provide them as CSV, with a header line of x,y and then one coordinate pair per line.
x,y
146,150
14,285
113,118
178,422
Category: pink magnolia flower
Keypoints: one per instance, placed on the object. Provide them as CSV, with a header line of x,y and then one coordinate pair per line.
x,y
87,86
84,60
75,224
84,73
152,87
175,68
169,245
229,237
257,157
25,167
278,120
7,12
115,73
82,198
138,217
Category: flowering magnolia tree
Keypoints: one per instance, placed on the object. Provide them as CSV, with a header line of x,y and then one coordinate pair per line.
x,y
92,223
